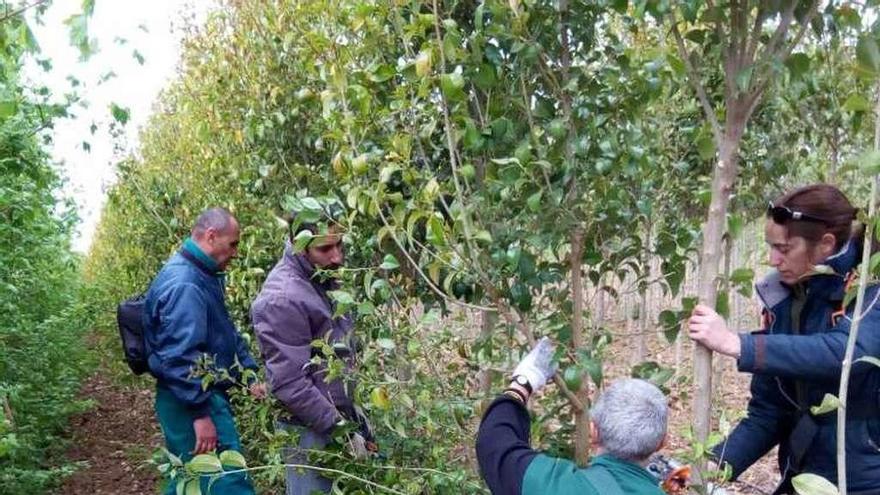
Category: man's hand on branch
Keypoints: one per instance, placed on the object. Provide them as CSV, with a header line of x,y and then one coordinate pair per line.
x,y
708,328
537,366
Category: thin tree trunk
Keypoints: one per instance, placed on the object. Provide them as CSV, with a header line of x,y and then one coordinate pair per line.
x,y
722,186
864,274
582,418
720,364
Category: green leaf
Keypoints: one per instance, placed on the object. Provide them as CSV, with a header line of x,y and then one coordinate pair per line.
x,y
706,146
302,240
722,304
193,487
676,64
813,484
137,56
341,296
594,369
379,398
534,201
483,236
573,378
829,403
435,232
389,263
8,108
670,321
120,114
856,103
233,458
868,55
870,162
742,276
382,73
173,459
204,464
452,85
798,64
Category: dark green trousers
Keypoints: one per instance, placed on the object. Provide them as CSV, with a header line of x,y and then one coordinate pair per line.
x,y
176,421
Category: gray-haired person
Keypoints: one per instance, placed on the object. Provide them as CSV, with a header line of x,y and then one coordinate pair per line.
x,y
628,424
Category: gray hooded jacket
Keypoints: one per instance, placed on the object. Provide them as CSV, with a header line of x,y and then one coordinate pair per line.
x,y
291,311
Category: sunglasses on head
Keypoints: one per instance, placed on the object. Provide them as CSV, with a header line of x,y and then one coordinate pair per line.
x,y
782,214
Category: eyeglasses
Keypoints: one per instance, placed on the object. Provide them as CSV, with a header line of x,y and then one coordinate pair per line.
x,y
782,214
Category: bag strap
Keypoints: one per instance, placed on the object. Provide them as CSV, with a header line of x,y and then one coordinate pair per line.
x,y
602,480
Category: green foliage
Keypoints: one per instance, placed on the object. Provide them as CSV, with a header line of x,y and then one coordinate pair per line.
x,y
43,319
469,145
813,484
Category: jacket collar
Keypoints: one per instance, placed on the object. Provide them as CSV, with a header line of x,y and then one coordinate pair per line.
x,y
194,254
772,290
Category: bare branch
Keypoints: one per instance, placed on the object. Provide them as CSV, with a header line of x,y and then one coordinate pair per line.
x,y
694,78
764,78
755,37
9,15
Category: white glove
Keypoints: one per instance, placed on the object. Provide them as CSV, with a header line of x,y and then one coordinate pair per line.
x,y
538,365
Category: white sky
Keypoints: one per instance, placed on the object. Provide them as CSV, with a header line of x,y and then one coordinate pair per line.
x,y
134,87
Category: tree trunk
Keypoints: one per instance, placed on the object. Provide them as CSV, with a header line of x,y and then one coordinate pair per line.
x,y
722,186
582,418
721,364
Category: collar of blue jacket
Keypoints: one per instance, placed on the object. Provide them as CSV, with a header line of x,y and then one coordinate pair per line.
x,y
190,246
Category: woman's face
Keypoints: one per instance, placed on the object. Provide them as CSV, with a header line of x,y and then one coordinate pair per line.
x,y
792,256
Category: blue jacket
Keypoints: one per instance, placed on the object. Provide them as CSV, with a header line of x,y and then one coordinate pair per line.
x,y
782,363
185,318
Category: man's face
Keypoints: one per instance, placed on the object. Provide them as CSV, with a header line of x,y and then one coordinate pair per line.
x,y
325,251
223,245
792,256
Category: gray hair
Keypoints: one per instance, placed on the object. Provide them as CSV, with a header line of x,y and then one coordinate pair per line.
x,y
630,416
219,219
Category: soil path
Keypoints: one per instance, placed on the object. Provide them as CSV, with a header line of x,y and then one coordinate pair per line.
x,y
113,441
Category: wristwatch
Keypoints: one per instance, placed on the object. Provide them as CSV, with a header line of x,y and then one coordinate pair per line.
x,y
522,381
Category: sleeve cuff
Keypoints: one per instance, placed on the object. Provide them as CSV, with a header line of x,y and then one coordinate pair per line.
x,y
751,356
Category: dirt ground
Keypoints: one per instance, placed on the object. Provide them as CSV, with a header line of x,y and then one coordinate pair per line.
x,y
113,441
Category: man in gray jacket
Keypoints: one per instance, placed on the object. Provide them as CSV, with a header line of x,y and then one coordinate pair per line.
x,y
292,310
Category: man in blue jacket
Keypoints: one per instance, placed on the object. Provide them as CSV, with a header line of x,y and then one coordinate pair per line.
x,y
185,322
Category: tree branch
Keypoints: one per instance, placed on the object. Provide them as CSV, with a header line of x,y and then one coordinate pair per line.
x,y
764,78
9,15
694,78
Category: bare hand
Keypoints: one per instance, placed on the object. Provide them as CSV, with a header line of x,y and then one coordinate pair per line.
x,y
258,390
709,329
206,435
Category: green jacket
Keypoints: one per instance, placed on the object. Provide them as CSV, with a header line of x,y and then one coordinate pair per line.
x,y
547,474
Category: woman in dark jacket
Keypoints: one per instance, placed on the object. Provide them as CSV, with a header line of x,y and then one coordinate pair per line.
x,y
796,359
